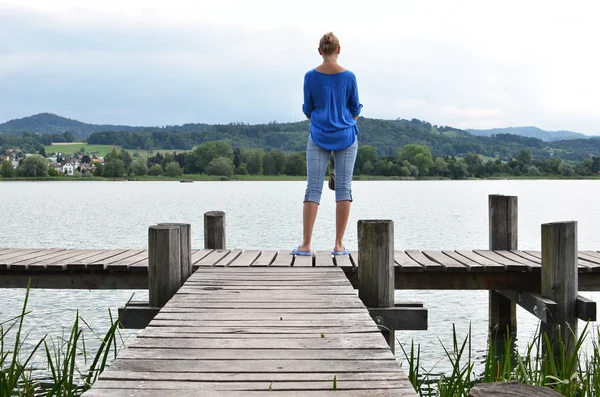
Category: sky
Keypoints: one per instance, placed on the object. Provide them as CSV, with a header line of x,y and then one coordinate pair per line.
x,y
466,64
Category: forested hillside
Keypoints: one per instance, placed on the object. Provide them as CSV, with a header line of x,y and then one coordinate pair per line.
x,y
386,136
531,132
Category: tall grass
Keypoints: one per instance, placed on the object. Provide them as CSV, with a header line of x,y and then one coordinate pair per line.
x,y
69,368
567,369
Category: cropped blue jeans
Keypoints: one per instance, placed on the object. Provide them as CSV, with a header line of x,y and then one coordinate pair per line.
x,y
316,166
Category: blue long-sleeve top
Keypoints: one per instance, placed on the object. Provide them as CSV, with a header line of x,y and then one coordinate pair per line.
x,y
331,103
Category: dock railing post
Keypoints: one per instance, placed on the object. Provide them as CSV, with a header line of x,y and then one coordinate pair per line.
x,y
560,280
503,235
185,244
214,230
164,263
376,267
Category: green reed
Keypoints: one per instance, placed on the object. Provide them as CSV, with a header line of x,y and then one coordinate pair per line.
x,y
566,368
63,357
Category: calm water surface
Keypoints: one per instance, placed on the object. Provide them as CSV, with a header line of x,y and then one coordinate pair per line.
x,y
267,215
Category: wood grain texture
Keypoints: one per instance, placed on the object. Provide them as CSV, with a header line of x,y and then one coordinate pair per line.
x,y
284,331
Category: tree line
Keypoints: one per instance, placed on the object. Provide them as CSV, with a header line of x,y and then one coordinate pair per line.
x,y
219,158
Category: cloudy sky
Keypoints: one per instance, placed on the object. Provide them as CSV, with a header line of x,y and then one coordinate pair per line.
x,y
468,64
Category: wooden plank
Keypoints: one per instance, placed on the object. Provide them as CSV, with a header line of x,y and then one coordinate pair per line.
x,y
428,264
125,263
590,256
82,255
586,309
273,387
543,308
256,315
303,261
232,256
14,255
472,266
582,264
329,392
265,259
211,259
250,366
38,264
509,264
325,259
198,255
254,332
532,265
489,265
450,264
343,261
283,259
95,262
406,263
35,256
245,259
360,341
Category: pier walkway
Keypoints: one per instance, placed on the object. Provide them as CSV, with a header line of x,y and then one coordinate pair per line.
x,y
414,269
258,331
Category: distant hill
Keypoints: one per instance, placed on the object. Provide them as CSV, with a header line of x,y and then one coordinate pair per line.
x,y
48,123
531,132
387,136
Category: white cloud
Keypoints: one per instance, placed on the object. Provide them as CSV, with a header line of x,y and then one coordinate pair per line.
x,y
463,63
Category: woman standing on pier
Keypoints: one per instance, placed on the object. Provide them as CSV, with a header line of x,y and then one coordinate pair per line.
x,y
332,106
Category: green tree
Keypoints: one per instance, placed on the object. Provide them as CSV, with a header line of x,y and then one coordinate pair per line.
x,y
365,153
52,172
34,166
126,158
241,170
566,169
173,169
220,166
524,157
139,166
198,160
254,161
274,163
156,170
419,156
8,171
43,152
295,164
440,167
114,168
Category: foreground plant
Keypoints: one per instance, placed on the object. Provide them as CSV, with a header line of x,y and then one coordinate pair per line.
x,y
564,368
63,358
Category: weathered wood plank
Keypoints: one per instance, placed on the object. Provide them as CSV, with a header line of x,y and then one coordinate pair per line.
x,y
198,255
428,264
94,262
251,393
509,264
303,261
273,387
251,377
489,265
472,266
406,263
254,332
283,259
227,260
265,259
450,264
363,341
325,259
124,263
249,366
532,265
258,316
212,258
245,259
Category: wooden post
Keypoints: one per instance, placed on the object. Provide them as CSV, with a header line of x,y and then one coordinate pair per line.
x,y
560,279
164,263
503,234
214,230
376,267
185,243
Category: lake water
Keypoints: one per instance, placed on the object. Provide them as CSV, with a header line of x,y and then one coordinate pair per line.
x,y
431,215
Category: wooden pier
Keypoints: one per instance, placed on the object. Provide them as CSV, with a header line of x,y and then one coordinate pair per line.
x,y
254,331
233,322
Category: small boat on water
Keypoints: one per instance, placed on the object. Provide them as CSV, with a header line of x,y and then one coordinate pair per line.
x,y
186,181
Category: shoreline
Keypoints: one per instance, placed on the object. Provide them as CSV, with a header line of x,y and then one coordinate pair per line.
x,y
268,178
